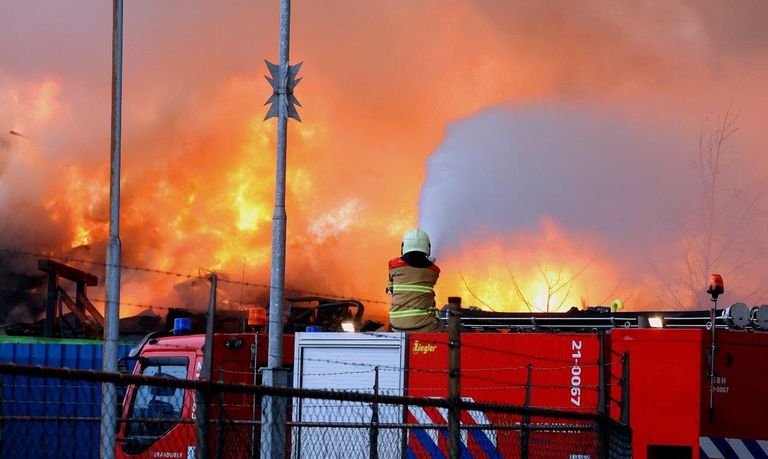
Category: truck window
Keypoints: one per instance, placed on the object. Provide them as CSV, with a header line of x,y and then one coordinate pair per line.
x,y
151,406
669,452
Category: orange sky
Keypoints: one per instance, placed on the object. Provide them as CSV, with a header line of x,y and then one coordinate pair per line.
x,y
384,82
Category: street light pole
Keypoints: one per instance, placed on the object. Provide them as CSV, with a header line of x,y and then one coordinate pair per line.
x,y
112,282
283,81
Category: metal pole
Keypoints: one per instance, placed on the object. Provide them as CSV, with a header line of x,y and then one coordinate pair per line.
x,y
274,408
713,348
112,278
454,381
222,422
404,432
524,434
2,391
373,441
207,368
203,397
624,416
602,398
256,399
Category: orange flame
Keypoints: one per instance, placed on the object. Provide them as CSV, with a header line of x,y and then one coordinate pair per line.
x,y
548,271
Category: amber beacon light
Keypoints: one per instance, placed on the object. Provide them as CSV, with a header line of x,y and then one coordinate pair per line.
x,y
716,286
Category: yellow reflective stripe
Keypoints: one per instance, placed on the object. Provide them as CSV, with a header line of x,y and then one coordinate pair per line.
x,y
411,288
411,313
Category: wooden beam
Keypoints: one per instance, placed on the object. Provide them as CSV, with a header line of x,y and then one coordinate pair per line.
x,y
67,272
51,298
72,306
91,309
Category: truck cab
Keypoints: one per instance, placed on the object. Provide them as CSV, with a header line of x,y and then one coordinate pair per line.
x,y
160,421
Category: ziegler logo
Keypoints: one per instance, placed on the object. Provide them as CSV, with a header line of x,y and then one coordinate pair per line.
x,y
419,348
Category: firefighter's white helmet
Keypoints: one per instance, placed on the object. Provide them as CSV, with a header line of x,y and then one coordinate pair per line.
x,y
416,240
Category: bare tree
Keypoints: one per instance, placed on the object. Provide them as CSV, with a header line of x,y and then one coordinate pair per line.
x,y
715,242
557,282
471,292
557,287
608,298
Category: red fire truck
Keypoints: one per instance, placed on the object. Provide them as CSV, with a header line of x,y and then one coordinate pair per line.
x,y
651,370
236,359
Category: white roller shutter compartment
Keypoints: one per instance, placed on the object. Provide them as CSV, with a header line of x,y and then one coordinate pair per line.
x,y
346,361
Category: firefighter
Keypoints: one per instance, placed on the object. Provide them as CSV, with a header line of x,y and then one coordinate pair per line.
x,y
412,279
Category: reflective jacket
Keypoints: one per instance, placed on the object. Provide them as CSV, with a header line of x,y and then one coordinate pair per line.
x,y
413,297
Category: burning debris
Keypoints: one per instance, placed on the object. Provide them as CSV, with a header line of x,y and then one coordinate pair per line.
x,y
21,296
198,190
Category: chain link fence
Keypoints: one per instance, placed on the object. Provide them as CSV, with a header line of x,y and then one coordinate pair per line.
x,y
46,417
56,413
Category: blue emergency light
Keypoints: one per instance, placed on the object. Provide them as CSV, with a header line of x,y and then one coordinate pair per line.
x,y
182,326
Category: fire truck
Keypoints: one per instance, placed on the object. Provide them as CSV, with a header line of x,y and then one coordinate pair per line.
x,y
236,358
682,394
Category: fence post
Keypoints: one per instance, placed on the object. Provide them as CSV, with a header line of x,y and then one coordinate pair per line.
x,y
404,434
203,397
202,400
220,425
624,418
2,395
454,379
374,431
602,400
524,433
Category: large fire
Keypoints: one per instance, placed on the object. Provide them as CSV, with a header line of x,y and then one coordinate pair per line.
x,y
548,271
380,93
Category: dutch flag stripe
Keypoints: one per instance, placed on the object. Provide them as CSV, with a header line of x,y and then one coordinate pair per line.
x,y
756,450
738,447
732,448
422,418
429,439
724,448
708,449
485,439
426,442
436,414
444,414
480,418
488,448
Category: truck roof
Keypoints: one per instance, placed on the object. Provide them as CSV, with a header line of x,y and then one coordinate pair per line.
x,y
186,342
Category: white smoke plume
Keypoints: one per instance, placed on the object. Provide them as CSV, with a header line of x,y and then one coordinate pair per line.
x,y
629,183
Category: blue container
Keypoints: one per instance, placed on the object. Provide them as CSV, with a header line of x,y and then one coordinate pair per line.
x,y
65,414
314,328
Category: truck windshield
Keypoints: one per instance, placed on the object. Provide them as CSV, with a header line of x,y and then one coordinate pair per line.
x,y
154,410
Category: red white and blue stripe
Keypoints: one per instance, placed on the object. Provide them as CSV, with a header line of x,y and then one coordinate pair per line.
x,y
474,442
732,448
